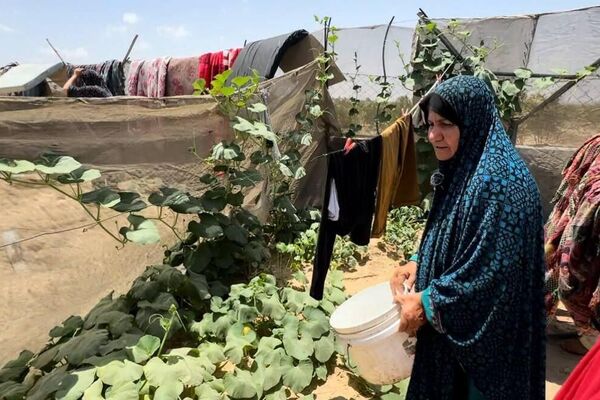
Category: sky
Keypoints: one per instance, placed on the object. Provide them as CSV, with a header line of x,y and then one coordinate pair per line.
x,y
91,32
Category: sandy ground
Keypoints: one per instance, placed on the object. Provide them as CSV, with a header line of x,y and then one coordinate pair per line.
x,y
47,279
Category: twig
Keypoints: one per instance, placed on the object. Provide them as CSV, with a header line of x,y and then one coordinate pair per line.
x,y
91,224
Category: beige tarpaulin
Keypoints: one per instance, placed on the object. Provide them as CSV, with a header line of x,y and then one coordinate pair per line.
x,y
134,133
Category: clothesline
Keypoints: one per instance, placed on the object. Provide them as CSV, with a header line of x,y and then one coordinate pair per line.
x,y
412,110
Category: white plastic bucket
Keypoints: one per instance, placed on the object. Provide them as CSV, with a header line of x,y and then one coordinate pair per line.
x,y
367,326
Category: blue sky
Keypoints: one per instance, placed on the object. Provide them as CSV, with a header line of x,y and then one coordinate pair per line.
x,y
89,32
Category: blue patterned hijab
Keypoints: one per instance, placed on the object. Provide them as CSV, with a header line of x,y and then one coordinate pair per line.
x,y
481,256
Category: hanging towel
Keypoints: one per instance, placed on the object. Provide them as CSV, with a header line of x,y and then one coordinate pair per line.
x,y
132,80
355,176
212,64
181,74
398,185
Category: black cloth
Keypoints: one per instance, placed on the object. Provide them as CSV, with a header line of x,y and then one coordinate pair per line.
x,y
355,176
89,84
265,55
111,72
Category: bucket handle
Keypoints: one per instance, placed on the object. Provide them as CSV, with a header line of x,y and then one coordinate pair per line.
x,y
348,357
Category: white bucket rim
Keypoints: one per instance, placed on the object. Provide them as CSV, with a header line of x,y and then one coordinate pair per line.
x,y
389,310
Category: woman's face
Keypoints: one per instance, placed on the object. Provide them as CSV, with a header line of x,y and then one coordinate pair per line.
x,y
443,136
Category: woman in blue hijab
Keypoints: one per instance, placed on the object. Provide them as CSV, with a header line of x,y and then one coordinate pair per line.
x,y
477,304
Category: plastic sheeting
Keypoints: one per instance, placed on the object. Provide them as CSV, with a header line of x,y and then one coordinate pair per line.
x,y
544,43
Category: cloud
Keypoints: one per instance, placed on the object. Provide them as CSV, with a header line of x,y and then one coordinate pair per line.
x,y
78,54
130,18
173,31
143,45
116,29
4,28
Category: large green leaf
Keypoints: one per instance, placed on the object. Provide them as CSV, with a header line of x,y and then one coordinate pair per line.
x,y
75,384
197,260
99,361
142,231
14,370
124,391
324,348
81,174
298,377
239,337
199,284
300,348
118,372
315,323
103,196
321,373
215,199
47,384
176,200
241,385
280,394
193,368
117,322
145,348
125,340
237,234
207,392
208,227
257,107
159,373
213,351
94,392
271,306
83,346
69,326
170,391
246,313
162,302
57,165
16,166
46,357
267,353
144,290
11,390
295,300
129,202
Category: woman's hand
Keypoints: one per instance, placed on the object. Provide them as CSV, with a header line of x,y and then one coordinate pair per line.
x,y
404,275
412,316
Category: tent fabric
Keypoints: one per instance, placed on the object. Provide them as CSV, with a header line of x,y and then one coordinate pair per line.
x,y
265,55
23,77
367,43
120,132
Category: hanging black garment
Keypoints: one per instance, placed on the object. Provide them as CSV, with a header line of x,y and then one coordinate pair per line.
x,y
355,175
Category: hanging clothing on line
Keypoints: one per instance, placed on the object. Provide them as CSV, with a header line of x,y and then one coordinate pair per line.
x,y
110,71
89,84
213,64
355,175
148,78
572,241
181,74
398,185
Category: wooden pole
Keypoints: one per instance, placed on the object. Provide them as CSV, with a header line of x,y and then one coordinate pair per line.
x,y
56,52
130,48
